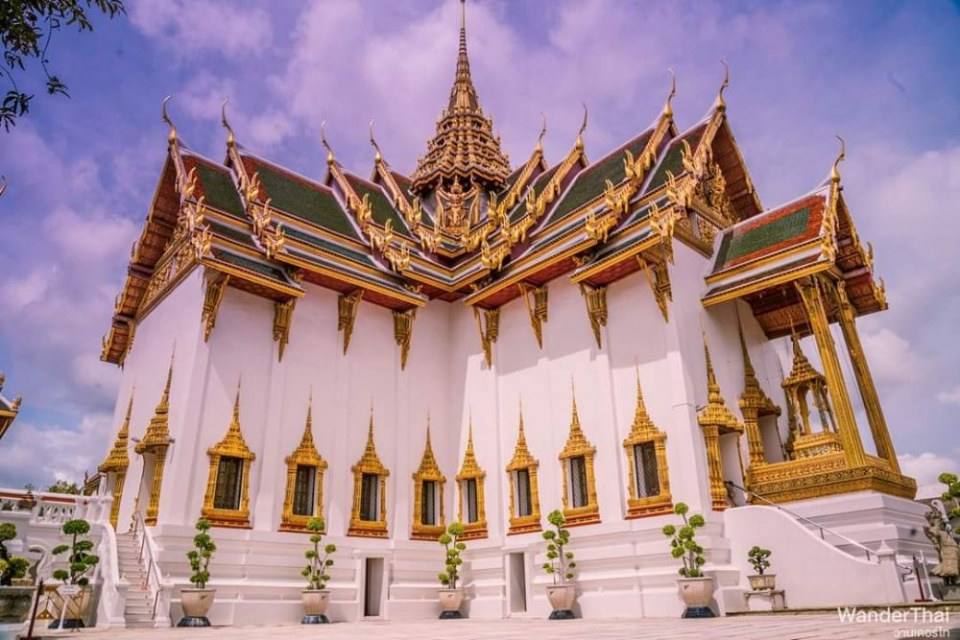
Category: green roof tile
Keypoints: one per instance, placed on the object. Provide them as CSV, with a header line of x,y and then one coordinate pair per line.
x,y
219,190
673,160
591,182
326,245
538,186
382,208
735,245
312,204
250,264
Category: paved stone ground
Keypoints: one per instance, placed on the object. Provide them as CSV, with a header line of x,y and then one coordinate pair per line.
x,y
780,627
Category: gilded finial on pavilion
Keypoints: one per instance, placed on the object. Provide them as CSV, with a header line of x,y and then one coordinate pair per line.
x,y
640,414
713,387
583,127
720,104
378,157
543,131
323,141
172,135
236,404
749,374
835,170
231,138
668,105
165,398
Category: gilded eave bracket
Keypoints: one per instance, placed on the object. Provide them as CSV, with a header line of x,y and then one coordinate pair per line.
x,y
402,332
282,319
213,296
488,323
658,276
535,299
348,304
596,299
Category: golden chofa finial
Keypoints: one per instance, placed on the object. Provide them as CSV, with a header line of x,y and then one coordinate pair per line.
x,y
583,127
668,105
323,141
172,136
231,138
835,170
720,104
543,131
378,157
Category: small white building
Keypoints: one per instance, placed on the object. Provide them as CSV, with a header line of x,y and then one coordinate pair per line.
x,y
486,342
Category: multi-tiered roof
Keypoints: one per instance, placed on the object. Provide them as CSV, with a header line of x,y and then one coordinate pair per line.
x,y
469,226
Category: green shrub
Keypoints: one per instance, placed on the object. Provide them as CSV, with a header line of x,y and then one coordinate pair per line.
x,y
560,563
316,570
951,497
683,544
11,567
452,547
758,558
199,556
80,561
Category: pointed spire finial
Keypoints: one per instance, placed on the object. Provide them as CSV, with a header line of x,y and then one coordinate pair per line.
x,y
583,127
323,141
668,105
236,403
543,131
720,104
172,136
231,138
165,399
748,371
713,388
373,142
835,170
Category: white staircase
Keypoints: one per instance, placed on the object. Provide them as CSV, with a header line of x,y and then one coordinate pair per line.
x,y
138,608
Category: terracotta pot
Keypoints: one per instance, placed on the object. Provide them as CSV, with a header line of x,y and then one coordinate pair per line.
x,y
765,582
196,603
561,597
15,604
450,601
315,603
76,601
696,593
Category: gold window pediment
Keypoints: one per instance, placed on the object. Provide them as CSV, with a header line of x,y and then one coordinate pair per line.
x,y
577,446
523,460
369,464
429,471
235,447
305,455
470,470
644,431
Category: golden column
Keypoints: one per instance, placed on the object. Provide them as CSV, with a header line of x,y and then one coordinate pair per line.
x,y
868,391
811,294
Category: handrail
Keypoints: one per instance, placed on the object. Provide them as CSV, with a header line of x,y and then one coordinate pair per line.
x,y
153,568
820,527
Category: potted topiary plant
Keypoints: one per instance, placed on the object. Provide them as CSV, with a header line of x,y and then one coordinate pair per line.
x,y
316,597
560,565
15,597
196,602
761,581
75,590
951,499
451,596
695,589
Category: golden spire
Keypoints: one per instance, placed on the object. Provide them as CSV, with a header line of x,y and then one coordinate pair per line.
x,y
464,147
378,157
428,462
641,419
716,412
118,459
521,453
668,105
158,431
231,138
172,135
306,442
575,429
749,375
835,170
326,145
370,462
720,104
583,127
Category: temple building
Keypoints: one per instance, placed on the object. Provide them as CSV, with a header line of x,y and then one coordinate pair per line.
x,y
486,340
8,408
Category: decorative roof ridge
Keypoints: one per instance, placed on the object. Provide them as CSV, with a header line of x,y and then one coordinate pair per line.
x,y
284,169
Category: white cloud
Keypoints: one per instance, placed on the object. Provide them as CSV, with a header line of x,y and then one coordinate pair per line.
x,y
191,26
925,467
951,396
891,357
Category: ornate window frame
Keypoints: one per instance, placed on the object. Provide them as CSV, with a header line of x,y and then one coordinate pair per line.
x,y
305,455
470,470
369,463
429,471
578,446
523,460
232,446
644,431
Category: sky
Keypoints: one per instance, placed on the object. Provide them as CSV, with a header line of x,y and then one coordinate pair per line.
x,y
81,171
